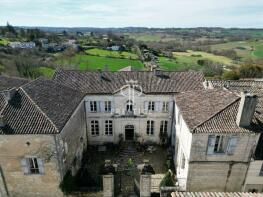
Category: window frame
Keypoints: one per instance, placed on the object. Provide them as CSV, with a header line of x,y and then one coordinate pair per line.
x,y
108,130
93,106
33,165
107,106
94,128
151,106
164,126
220,144
150,127
165,107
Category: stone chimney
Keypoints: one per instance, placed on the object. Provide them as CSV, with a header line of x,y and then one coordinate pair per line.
x,y
2,121
246,109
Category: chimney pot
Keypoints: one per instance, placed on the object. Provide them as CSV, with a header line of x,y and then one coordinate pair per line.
x,y
246,109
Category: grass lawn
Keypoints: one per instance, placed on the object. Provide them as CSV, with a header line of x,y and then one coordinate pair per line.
x,y
258,51
89,62
107,53
178,64
3,41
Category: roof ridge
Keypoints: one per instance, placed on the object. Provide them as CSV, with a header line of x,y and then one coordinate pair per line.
x,y
95,71
212,116
15,77
43,113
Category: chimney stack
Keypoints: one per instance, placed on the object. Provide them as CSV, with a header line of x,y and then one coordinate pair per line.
x,y
2,121
246,109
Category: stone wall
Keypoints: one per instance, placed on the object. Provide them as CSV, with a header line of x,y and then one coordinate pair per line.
x,y
73,141
13,149
216,176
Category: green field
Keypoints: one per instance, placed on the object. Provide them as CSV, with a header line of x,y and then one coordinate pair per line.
x,y
188,60
3,41
196,55
115,54
152,37
89,62
244,49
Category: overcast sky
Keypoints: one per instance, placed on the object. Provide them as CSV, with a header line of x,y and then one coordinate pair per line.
x,y
123,13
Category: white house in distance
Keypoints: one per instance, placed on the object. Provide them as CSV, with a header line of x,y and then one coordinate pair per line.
x,y
22,45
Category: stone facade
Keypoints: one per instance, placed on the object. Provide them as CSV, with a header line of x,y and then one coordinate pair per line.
x,y
197,170
58,152
138,119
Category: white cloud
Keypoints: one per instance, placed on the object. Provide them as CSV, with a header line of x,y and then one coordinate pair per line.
x,y
151,13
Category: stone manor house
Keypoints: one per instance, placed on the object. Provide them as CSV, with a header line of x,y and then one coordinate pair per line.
x,y
214,127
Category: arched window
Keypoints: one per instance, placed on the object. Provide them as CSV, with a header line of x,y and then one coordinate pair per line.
x,y
129,106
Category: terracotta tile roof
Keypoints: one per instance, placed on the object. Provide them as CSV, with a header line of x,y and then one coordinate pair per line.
x,y
215,194
40,107
212,111
110,82
2,101
55,100
254,87
11,82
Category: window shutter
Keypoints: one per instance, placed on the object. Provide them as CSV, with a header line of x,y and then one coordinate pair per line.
x,y
102,106
24,165
146,106
98,106
158,107
211,144
87,105
232,143
170,108
40,163
112,107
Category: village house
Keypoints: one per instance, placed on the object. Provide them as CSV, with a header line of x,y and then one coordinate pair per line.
x,y
216,134
43,135
254,179
22,45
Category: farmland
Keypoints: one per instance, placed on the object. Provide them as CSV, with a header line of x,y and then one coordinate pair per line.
x,y
91,62
113,54
244,49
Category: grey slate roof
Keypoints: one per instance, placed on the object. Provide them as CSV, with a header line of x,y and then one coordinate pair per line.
x,y
40,107
212,111
110,82
11,82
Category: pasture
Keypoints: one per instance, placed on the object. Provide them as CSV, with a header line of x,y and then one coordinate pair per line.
x,y
90,62
114,54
